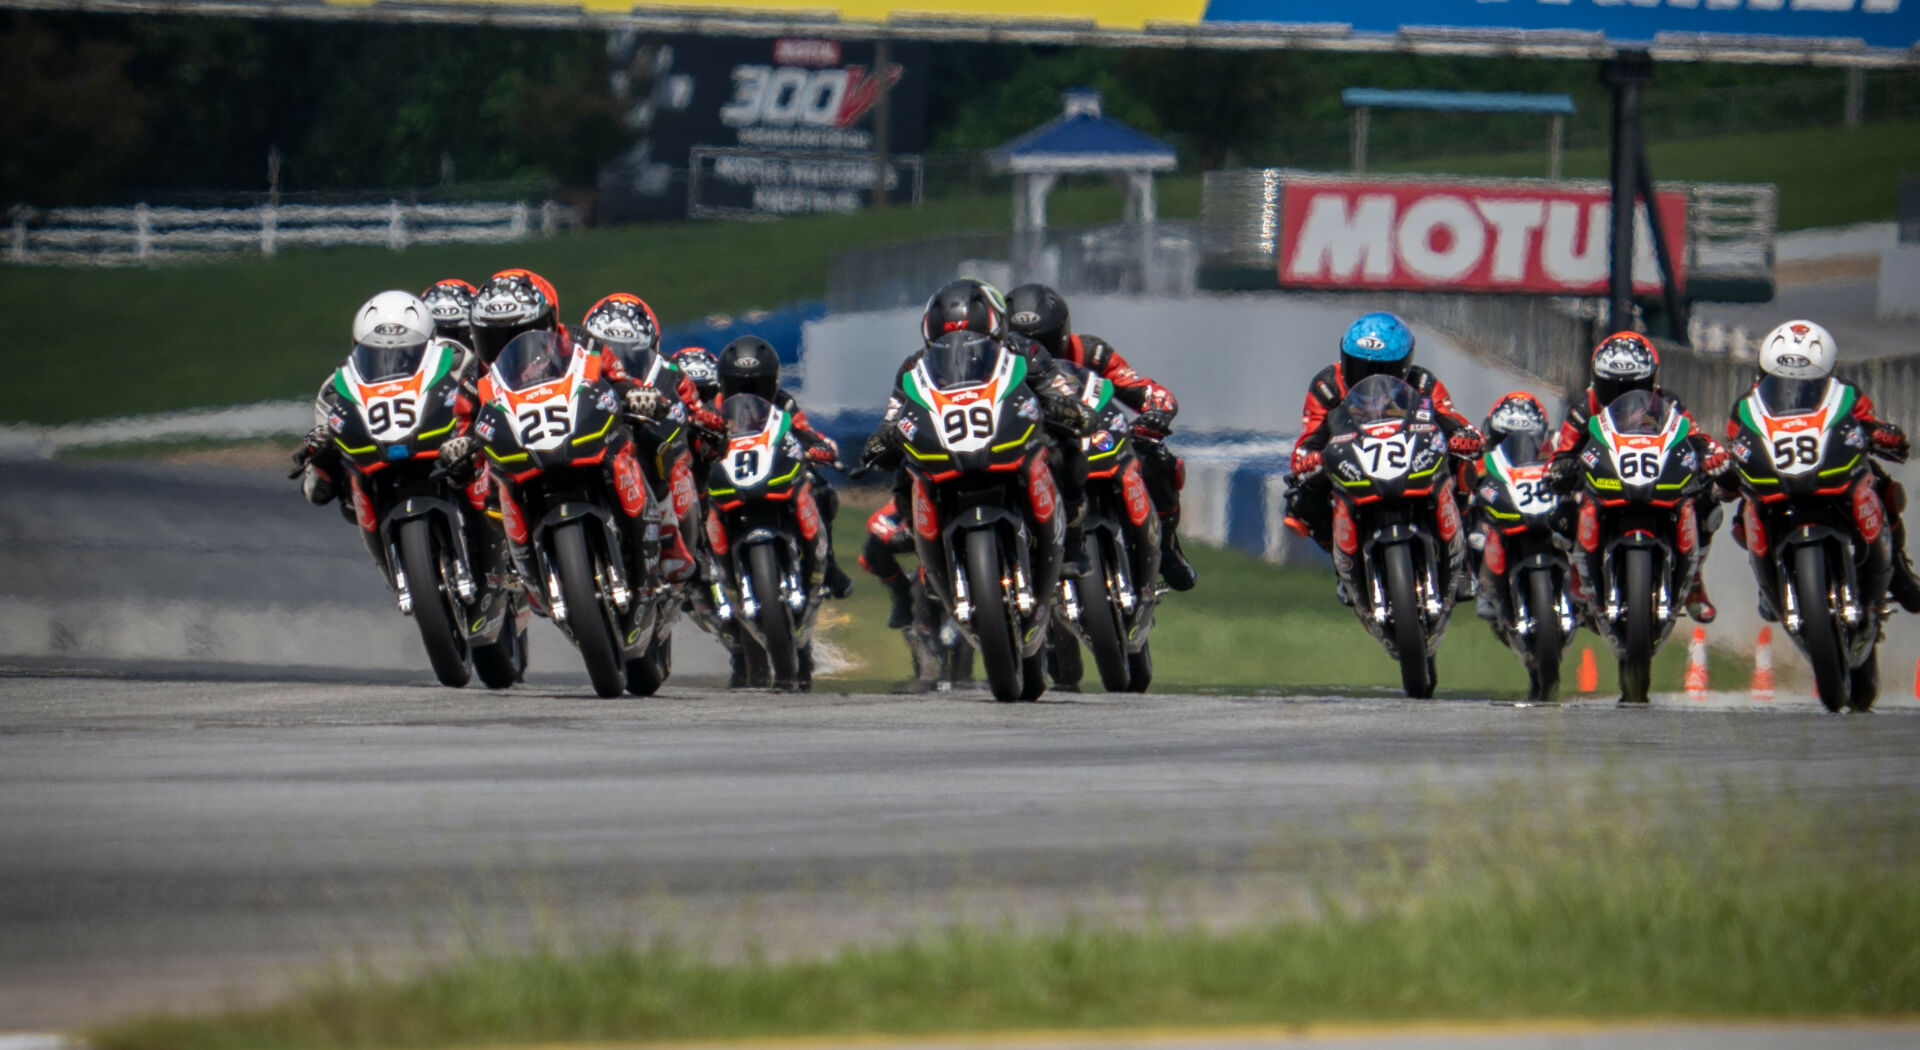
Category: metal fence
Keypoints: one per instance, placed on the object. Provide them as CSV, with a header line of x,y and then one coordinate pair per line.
x,y
142,234
1144,259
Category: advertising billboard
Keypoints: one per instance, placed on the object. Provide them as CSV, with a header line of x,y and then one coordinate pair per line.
x,y
728,126
1550,239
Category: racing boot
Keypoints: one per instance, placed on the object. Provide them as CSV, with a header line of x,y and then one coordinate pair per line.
x,y
1174,566
1698,606
1073,555
1342,595
1765,605
903,600
1903,588
839,584
676,561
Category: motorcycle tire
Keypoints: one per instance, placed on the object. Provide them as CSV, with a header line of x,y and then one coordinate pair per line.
x,y
503,663
775,625
1409,632
998,648
1864,682
1140,669
1033,670
649,672
1546,643
1100,620
1064,665
1819,634
587,618
433,604
1636,659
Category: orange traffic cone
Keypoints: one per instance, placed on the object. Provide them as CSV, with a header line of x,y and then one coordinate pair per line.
x,y
1762,687
1590,674
1916,679
1696,683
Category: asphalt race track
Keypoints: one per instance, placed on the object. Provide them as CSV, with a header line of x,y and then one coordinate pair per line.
x,y
200,828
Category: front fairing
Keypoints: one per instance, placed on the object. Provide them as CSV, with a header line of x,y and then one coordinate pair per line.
x,y
987,426
378,424
763,464
1798,455
1515,495
1657,469
1387,460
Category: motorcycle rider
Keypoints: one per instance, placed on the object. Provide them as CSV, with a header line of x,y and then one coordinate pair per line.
x,y
1626,361
1040,313
451,301
750,365
972,305
1375,344
1516,415
1802,352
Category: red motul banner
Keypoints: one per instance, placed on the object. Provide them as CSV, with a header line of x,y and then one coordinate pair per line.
x,y
1549,238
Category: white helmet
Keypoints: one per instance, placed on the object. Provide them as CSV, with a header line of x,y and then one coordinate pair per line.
x,y
393,320
1798,350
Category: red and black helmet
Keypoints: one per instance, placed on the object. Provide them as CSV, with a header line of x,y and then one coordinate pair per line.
x,y
624,325
1624,361
511,303
451,303
965,305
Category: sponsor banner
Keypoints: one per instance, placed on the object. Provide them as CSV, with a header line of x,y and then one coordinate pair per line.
x,y
781,125
1545,238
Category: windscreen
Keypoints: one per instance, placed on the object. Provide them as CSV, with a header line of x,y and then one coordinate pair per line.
x,y
1523,448
636,358
1791,397
533,358
1638,412
375,363
746,414
961,359
1378,399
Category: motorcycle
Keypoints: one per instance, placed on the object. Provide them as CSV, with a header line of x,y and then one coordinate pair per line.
x,y
1111,607
581,525
1638,541
1397,542
1523,561
389,411
987,518
1816,533
767,540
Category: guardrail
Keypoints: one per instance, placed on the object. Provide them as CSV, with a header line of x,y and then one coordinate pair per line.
x,y
142,234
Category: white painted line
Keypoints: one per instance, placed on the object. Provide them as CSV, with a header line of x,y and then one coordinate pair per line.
x,y
33,1041
238,422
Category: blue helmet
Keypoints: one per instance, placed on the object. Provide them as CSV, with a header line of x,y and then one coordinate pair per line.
x,y
1376,344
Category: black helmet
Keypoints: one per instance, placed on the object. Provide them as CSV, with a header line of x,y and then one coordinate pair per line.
x,y
451,303
1039,313
1623,361
965,305
511,303
698,364
749,365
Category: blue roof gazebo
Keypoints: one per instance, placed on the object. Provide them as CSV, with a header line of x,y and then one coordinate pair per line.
x,y
1081,141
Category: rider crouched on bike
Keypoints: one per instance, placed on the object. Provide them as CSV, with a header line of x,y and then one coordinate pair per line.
x,y
1040,313
750,365
972,306
1375,344
1626,361
1518,417
1802,352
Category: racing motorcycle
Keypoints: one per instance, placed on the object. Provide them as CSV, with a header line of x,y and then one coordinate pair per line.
x,y
1523,564
767,539
987,518
1638,541
581,525
1397,541
1111,607
389,410
1815,531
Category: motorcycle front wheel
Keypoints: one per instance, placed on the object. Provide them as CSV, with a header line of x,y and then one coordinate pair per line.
x,y
1819,635
775,625
1409,633
997,645
504,662
433,605
587,617
1636,651
1100,621
648,673
1542,601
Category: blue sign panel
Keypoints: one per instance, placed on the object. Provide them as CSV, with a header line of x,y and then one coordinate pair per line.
x,y
1877,23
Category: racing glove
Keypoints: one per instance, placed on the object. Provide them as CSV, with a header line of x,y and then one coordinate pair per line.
x,y
823,451
647,402
1715,464
315,440
1153,425
458,458
1466,443
883,444
1306,462
1890,443
1563,473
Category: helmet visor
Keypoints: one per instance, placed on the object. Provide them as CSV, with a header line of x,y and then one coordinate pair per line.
x,y
488,340
1791,397
962,359
746,414
1522,447
1379,399
375,363
533,358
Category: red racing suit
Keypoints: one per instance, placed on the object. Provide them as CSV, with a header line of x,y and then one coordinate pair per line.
x,y
1134,390
1329,388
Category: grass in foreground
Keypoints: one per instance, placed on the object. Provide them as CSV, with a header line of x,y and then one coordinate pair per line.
x,y
1606,902
1249,626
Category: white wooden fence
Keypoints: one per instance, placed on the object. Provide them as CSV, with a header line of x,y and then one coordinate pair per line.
x,y
142,234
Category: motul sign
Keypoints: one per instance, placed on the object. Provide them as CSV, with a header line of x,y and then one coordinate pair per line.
x,y
1431,236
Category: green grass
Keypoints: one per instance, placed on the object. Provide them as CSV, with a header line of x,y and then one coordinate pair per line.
x,y
1543,900
92,343
1252,627
1826,176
